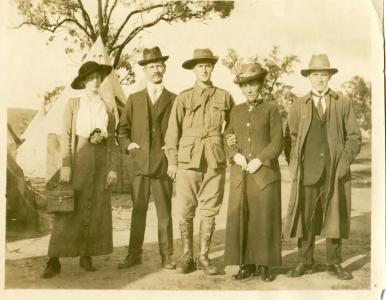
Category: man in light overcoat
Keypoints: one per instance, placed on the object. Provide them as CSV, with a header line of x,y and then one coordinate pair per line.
x,y
325,139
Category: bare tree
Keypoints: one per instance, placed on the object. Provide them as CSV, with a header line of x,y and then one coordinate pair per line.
x,y
82,26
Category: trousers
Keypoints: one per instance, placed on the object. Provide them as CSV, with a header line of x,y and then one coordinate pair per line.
x,y
162,191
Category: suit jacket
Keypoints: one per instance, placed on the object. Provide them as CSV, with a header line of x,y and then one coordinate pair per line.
x,y
134,127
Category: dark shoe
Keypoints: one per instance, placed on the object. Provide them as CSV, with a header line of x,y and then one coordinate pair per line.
x,y
338,271
167,262
186,263
265,274
299,270
130,260
203,262
85,262
245,271
52,268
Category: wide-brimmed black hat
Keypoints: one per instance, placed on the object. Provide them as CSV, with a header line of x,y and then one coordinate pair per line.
x,y
319,62
152,55
88,68
200,55
250,72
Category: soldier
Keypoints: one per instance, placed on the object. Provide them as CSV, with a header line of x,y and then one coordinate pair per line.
x,y
142,130
325,139
194,146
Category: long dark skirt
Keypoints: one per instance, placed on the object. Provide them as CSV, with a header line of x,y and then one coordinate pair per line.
x,y
88,230
262,235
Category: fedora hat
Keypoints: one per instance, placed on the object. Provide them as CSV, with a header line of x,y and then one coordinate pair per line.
x,y
88,68
319,62
250,72
200,55
152,55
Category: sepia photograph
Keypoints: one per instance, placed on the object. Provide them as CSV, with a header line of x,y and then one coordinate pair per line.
x,y
200,149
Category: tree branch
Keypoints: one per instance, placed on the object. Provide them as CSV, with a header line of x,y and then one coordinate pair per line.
x,y
87,20
100,20
105,11
132,34
111,11
53,27
137,11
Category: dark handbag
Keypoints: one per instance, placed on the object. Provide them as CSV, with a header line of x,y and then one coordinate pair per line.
x,y
60,195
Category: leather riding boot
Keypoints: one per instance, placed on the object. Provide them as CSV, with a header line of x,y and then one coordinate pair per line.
x,y
186,263
339,272
203,262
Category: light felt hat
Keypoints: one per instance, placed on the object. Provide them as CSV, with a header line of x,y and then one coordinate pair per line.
x,y
319,62
200,55
250,72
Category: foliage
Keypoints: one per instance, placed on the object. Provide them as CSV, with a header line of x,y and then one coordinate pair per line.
x,y
274,89
82,26
359,92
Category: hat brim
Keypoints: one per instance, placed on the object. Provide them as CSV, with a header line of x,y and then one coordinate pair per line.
x,y
190,63
258,77
104,70
306,72
144,62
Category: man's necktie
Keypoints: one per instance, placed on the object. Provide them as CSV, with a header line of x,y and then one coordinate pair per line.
x,y
319,106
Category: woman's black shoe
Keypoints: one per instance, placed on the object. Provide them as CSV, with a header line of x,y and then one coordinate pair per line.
x,y
52,268
245,271
85,262
265,274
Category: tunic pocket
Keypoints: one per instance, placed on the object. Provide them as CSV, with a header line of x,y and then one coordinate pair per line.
x,y
185,149
217,113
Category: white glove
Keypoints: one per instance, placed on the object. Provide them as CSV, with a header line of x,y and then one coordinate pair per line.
x,y
132,146
240,160
254,165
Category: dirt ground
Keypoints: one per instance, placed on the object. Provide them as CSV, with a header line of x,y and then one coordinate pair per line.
x,y
25,258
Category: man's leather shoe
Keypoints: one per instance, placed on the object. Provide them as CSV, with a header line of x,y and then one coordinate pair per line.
x,y
299,270
130,260
52,268
167,262
338,271
265,274
85,262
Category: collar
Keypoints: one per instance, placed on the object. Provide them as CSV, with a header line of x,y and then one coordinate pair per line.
x,y
320,94
201,87
330,92
86,98
152,86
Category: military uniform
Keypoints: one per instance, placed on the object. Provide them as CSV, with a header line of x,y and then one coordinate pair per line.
x,y
194,142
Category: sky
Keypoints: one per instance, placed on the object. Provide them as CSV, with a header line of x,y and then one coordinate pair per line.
x,y
342,29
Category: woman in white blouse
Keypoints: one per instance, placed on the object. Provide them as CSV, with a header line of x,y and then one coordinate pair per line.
x,y
89,155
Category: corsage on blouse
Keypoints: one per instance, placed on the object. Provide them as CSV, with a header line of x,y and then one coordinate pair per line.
x,y
92,119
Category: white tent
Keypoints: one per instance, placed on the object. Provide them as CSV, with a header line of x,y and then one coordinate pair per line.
x,y
32,154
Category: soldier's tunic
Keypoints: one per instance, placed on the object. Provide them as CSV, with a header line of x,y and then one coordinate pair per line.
x,y
194,142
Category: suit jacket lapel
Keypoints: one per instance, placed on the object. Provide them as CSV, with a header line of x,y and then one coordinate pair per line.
x,y
142,102
164,101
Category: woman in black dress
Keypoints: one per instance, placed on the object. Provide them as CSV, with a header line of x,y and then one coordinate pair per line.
x,y
254,140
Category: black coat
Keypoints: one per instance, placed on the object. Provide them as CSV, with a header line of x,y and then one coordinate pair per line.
x,y
135,127
259,135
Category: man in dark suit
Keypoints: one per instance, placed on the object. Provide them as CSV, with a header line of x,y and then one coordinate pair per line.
x,y
142,130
